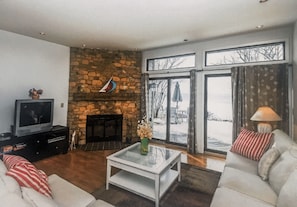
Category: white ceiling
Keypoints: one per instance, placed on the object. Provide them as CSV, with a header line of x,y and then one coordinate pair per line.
x,y
140,24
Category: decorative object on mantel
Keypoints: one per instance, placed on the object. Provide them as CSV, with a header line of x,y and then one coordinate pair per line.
x,y
34,94
264,115
108,87
145,132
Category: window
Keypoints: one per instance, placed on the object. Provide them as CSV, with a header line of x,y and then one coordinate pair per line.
x,y
175,62
218,110
248,54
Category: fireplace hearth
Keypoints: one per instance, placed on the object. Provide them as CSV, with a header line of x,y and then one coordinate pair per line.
x,y
104,127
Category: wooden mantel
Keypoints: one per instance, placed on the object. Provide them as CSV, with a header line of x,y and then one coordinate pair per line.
x,y
105,96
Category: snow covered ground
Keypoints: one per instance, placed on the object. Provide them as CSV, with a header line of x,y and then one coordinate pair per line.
x,y
219,134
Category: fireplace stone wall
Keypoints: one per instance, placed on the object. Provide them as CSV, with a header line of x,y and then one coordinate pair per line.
x,y
90,69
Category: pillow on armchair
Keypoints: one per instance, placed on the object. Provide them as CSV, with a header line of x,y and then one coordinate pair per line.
x,y
252,144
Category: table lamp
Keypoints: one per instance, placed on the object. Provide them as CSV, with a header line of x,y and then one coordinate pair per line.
x,y
264,115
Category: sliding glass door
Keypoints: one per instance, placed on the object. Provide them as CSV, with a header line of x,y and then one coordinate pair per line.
x,y
168,109
218,111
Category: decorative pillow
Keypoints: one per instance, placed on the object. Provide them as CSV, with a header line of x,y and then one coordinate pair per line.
x,y
28,176
266,161
251,144
11,161
288,194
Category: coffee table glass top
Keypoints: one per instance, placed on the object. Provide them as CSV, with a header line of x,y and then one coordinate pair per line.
x,y
155,157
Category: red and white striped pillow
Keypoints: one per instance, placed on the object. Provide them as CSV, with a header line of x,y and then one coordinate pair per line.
x,y
27,175
252,144
11,161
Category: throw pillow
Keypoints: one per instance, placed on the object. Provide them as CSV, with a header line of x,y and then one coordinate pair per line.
x,y
251,144
29,176
11,161
266,161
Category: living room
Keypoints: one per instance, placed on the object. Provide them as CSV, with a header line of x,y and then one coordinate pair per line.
x,y
72,76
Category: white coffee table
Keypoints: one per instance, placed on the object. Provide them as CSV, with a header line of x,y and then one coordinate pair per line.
x,y
148,175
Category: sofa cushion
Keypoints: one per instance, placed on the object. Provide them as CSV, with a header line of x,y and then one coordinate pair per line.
x,y
237,161
66,194
282,168
3,168
266,162
9,185
225,197
28,176
288,194
13,200
248,184
282,141
251,144
37,199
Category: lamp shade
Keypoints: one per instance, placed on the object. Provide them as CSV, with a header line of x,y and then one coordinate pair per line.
x,y
265,113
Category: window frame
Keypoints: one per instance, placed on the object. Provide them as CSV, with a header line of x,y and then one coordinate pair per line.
x,y
180,69
205,97
259,44
169,80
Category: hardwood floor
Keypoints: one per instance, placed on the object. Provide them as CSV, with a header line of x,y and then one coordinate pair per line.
x,y
87,170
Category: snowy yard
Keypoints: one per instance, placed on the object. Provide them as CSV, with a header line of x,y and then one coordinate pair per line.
x,y
219,134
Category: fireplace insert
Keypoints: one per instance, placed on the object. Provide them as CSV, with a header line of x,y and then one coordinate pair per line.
x,y
105,127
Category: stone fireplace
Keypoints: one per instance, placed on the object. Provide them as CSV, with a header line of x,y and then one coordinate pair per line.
x,y
90,69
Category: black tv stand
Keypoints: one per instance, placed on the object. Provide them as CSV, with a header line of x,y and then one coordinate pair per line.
x,y
38,146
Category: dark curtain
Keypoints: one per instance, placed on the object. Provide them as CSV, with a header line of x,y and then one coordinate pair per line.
x,y
260,85
144,93
191,145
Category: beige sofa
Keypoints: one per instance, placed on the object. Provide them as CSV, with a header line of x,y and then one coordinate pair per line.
x,y
241,184
64,194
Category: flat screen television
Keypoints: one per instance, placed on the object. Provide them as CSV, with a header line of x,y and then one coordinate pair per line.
x,y
33,116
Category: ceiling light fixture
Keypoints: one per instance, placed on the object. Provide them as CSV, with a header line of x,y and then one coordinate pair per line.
x,y
260,26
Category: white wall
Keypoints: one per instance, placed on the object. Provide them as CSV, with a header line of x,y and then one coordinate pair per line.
x,y
27,63
263,36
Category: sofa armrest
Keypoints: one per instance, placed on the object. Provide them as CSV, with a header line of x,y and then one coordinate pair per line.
x,y
66,194
239,162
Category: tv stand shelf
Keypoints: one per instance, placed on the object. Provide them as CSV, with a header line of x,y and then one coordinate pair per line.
x,y
38,146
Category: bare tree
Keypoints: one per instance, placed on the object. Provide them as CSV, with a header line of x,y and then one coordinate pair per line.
x,y
159,93
251,54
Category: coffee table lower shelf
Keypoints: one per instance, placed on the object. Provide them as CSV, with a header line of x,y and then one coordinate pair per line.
x,y
143,186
